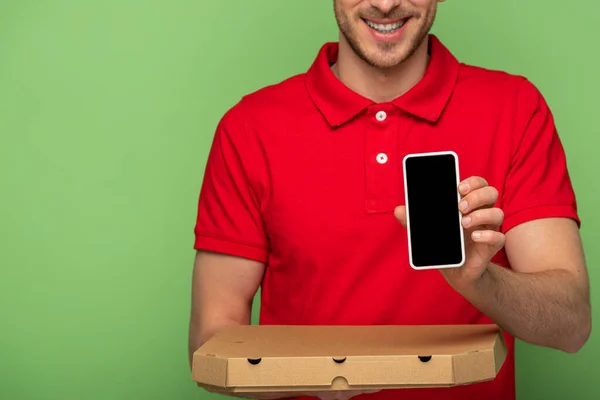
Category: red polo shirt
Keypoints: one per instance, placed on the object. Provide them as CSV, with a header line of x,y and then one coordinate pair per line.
x,y
304,176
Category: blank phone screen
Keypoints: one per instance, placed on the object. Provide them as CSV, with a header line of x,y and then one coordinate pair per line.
x,y
434,223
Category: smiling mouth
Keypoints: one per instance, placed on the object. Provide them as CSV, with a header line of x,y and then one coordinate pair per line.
x,y
386,28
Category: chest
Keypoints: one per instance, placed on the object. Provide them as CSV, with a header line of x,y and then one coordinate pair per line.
x,y
331,188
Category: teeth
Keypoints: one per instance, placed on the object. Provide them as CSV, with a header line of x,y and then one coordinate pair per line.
x,y
385,28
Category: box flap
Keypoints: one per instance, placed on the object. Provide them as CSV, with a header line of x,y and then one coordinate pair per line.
x,y
264,358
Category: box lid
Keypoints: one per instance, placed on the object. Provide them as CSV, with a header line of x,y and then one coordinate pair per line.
x,y
290,358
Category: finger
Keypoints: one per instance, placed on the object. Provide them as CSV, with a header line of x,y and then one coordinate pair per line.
x,y
490,217
327,395
483,197
471,184
343,395
333,395
495,240
370,392
487,245
400,214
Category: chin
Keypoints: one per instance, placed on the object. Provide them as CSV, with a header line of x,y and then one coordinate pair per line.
x,y
386,59
385,41
388,55
387,50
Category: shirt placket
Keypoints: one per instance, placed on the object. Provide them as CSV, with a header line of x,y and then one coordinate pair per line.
x,y
381,158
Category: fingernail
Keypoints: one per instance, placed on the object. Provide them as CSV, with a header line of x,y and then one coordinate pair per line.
x,y
463,205
466,220
463,187
477,235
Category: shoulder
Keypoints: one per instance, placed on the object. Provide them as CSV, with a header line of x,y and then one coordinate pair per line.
x,y
267,102
504,91
269,99
492,82
277,94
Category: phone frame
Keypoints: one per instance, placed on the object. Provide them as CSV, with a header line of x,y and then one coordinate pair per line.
x,y
459,214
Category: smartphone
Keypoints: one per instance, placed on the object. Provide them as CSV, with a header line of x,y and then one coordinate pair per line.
x,y
434,227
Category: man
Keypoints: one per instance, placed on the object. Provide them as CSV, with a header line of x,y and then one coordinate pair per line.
x,y
297,197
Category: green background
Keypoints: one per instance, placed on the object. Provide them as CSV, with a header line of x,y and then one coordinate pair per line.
x,y
107,110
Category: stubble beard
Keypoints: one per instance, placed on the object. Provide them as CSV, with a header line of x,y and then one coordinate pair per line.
x,y
387,57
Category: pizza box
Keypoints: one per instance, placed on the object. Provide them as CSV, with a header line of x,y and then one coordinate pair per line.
x,y
270,358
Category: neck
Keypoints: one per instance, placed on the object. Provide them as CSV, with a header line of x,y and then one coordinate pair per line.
x,y
380,85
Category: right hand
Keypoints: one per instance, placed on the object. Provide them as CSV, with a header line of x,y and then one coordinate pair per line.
x,y
341,394
322,395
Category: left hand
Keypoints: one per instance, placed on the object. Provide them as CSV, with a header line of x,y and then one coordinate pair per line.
x,y
481,222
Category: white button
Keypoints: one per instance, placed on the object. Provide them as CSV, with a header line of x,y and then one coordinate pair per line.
x,y
381,116
382,158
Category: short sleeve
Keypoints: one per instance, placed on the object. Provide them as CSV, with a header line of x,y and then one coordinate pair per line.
x,y
538,183
229,219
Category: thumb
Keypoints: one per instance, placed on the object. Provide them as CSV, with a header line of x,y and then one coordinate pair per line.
x,y
400,214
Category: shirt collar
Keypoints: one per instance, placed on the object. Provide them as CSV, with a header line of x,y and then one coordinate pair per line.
x,y
426,100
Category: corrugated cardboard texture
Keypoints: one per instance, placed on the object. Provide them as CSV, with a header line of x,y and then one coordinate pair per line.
x,y
299,358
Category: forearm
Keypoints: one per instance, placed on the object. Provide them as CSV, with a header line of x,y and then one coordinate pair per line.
x,y
547,308
201,332
263,396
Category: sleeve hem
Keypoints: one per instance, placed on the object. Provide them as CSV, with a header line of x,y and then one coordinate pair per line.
x,y
254,253
539,212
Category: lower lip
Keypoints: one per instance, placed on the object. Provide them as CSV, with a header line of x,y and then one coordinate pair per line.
x,y
387,37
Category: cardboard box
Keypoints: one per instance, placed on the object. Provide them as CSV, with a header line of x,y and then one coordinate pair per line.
x,y
263,359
